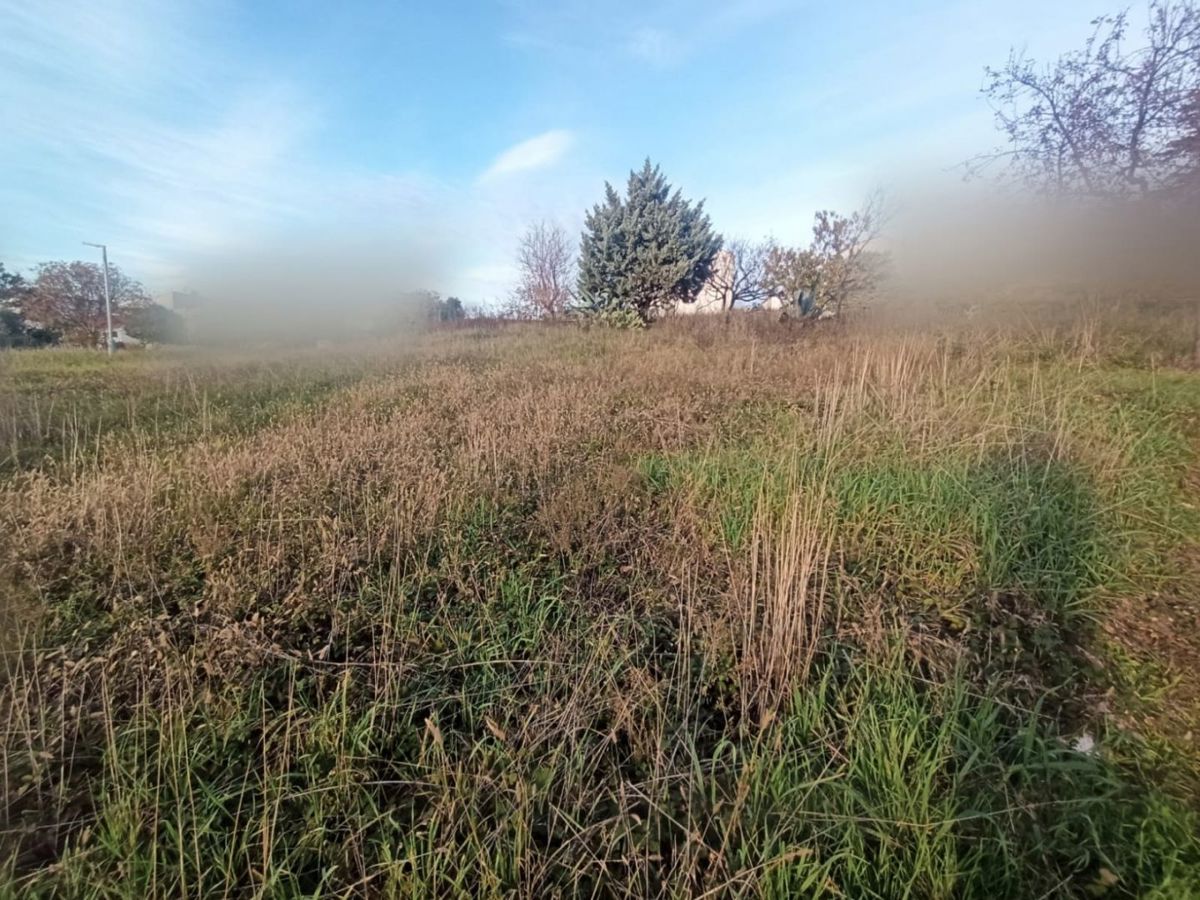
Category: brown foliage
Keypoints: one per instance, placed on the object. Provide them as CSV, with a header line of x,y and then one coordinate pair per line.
x,y
836,266
68,297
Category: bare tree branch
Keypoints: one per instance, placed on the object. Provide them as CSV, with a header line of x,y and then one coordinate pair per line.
x,y
741,282
1103,121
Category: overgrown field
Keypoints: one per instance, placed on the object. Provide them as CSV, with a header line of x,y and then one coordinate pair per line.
x,y
716,609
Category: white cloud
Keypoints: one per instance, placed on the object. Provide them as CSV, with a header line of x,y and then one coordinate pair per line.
x,y
536,153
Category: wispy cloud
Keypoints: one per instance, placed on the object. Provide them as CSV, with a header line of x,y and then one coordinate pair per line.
x,y
655,46
535,153
179,131
663,35
129,126
183,156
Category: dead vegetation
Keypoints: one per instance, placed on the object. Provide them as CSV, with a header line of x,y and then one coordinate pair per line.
x,y
718,609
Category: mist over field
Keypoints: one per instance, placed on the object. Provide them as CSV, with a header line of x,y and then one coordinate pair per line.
x,y
968,241
332,287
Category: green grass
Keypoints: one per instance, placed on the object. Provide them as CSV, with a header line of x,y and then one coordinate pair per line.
x,y
873,784
68,407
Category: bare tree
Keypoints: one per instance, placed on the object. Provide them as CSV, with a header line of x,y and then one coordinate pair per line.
x,y
1186,183
1105,120
68,297
546,260
743,281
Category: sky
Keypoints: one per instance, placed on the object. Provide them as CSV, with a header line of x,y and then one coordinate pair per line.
x,y
432,133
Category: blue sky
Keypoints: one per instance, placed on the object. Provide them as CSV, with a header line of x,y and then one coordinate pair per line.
x,y
179,131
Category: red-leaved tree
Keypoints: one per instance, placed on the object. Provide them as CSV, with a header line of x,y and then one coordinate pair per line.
x,y
68,298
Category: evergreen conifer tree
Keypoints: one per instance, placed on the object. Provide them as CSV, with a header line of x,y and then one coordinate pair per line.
x,y
645,251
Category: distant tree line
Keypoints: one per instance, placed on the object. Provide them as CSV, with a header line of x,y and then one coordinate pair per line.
x,y
646,252
63,303
432,307
1117,119
15,329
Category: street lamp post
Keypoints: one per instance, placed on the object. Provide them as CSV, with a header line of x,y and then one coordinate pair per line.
x,y
109,342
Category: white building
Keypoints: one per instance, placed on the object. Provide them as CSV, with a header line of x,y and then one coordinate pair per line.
x,y
182,302
716,295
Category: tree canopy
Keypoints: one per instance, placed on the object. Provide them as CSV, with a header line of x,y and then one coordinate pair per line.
x,y
68,297
646,250
835,267
15,329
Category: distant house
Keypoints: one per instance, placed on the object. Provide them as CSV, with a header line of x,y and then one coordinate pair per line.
x,y
121,338
716,294
183,302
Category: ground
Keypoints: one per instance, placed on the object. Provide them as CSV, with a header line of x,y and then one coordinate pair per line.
x,y
722,608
